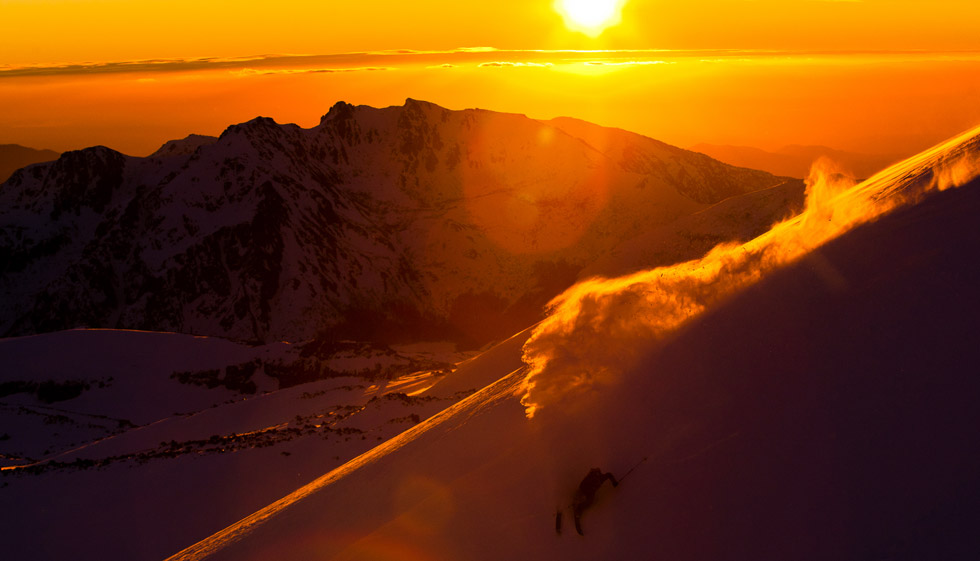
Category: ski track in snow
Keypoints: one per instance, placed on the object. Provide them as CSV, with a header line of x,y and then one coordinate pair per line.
x,y
503,388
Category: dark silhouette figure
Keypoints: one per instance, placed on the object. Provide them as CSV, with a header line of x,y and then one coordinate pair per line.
x,y
585,495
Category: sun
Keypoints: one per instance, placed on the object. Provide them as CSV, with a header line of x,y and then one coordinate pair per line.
x,y
591,17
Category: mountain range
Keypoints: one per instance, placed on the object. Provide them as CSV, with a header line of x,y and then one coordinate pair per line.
x,y
795,160
410,222
15,156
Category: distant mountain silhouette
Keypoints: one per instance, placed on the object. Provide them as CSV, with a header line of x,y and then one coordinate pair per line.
x,y
377,224
14,156
795,160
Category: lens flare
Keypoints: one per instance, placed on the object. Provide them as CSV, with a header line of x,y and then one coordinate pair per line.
x,y
597,330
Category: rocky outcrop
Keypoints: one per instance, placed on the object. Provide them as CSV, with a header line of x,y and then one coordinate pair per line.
x,y
372,224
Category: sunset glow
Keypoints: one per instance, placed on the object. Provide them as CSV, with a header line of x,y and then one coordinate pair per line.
x,y
665,298
415,280
765,73
591,17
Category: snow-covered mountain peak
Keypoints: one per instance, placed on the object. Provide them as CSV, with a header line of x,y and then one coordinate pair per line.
x,y
77,180
338,111
184,146
425,107
369,221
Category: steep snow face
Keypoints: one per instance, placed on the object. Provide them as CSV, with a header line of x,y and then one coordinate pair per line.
x,y
824,411
567,353
368,225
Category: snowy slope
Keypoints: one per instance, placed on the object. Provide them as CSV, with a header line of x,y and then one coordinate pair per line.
x,y
368,225
62,395
65,389
822,408
191,430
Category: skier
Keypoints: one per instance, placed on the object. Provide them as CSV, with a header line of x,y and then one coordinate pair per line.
x,y
585,495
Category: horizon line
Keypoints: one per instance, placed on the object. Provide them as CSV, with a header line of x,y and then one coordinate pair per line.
x,y
431,59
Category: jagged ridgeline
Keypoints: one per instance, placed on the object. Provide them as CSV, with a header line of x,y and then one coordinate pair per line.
x,y
409,222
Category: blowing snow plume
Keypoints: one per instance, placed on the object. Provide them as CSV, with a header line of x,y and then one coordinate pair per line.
x,y
599,328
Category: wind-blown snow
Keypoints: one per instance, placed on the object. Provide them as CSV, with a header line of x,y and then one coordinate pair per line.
x,y
597,329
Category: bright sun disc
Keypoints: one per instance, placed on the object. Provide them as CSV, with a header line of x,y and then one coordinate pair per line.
x,y
591,17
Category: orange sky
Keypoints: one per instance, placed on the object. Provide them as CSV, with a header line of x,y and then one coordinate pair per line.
x,y
878,97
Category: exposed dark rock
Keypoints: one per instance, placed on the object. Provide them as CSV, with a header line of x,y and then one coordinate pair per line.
x,y
398,224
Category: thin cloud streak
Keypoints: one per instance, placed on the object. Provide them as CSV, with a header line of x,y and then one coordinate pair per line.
x,y
254,72
474,56
509,64
628,62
